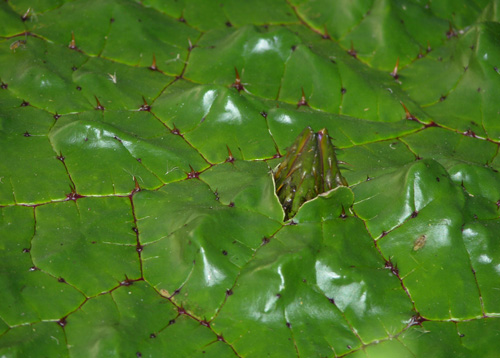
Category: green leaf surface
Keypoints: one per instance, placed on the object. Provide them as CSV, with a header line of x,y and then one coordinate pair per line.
x,y
139,215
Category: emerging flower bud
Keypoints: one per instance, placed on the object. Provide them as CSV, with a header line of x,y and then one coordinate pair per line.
x,y
309,169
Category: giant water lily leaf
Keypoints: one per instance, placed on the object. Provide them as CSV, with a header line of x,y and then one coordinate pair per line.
x,y
141,210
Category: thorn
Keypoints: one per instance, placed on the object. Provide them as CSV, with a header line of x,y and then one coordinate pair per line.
x,y
237,83
137,187
451,32
352,51
429,48
343,215
408,114
394,72
72,44
99,105
470,133
126,282
230,158
302,101
26,15
145,107
325,35
73,195
175,131
153,65
193,174
416,320
62,322
431,124
394,268
191,46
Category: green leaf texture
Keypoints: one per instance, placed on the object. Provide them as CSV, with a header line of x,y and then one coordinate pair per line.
x,y
138,210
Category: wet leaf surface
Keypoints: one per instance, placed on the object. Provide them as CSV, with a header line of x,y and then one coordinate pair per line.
x,y
138,209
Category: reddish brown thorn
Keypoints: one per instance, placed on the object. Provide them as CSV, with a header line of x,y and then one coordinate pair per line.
x,y
394,268
26,134
153,65
325,35
62,322
137,187
470,133
420,54
72,44
4,85
145,107
205,323
343,214
230,158
442,98
352,51
26,15
25,104
302,101
126,282
193,174
99,106
498,204
175,130
429,48
451,32
237,83
73,195
61,157
416,320
394,72
431,124
409,116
